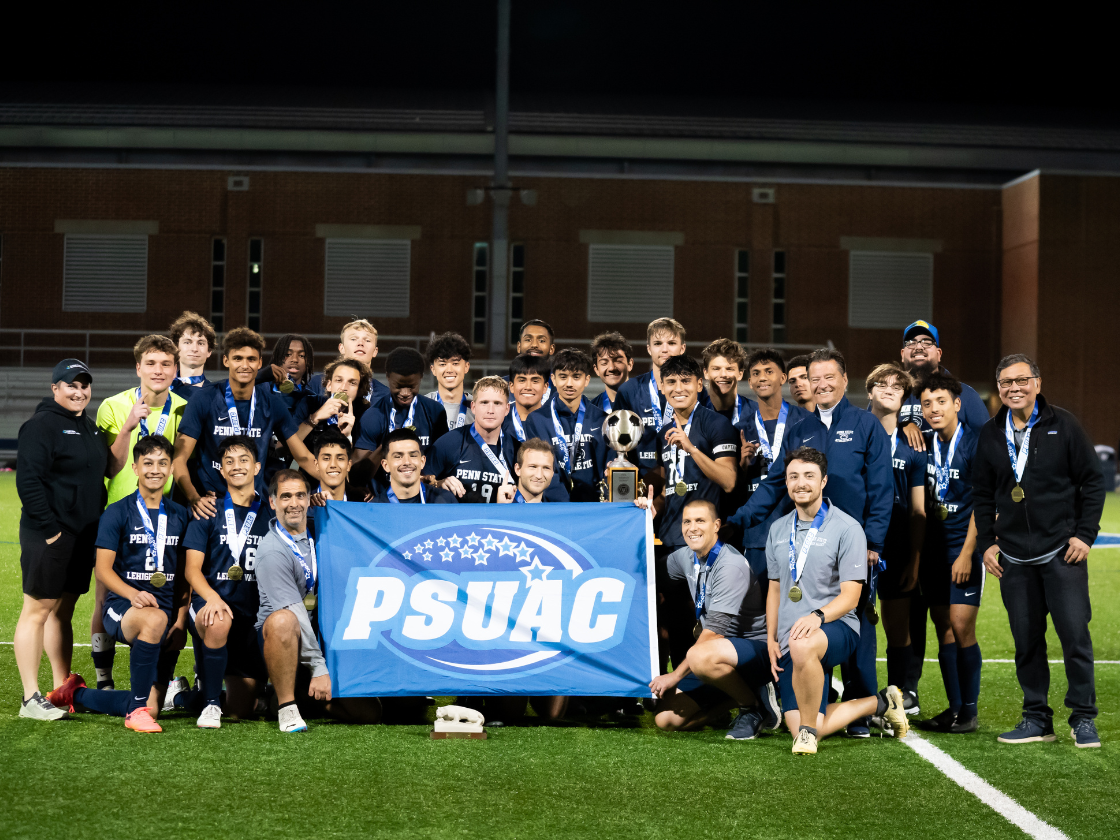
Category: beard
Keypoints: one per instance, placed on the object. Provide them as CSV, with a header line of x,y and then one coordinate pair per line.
x,y
922,368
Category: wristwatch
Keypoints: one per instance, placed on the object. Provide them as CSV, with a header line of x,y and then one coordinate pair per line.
x,y
819,614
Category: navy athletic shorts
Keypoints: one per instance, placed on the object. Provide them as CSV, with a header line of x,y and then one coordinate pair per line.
x,y
842,642
939,590
753,666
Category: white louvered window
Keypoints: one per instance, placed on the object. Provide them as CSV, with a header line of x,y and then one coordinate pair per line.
x,y
888,289
367,275
629,283
103,273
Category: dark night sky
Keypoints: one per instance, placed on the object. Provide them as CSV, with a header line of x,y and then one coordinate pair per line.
x,y
928,61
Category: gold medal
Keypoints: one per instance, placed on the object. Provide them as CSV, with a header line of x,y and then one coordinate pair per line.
x,y
286,386
681,488
1017,494
942,511
342,397
411,428
795,593
158,579
697,630
235,572
310,601
872,616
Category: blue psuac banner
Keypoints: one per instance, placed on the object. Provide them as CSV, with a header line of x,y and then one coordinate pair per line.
x,y
538,599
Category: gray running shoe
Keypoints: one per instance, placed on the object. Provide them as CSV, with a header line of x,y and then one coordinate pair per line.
x,y
38,707
746,725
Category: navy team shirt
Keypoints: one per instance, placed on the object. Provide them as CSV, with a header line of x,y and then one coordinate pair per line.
x,y
633,394
945,538
587,459
122,530
909,470
973,413
714,435
207,421
185,390
429,419
603,402
432,496
458,454
209,536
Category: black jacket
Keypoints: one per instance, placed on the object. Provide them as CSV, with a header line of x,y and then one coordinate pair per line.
x,y
60,471
1062,481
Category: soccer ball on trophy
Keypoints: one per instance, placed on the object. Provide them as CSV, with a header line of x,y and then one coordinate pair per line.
x,y
622,431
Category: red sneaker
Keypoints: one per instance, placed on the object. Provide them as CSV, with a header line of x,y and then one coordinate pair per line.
x,y
63,696
141,721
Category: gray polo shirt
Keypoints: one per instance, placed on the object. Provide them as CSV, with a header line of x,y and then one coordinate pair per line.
x,y
838,553
281,584
735,602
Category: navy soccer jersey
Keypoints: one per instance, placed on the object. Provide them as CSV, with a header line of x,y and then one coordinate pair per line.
x,y
122,530
634,394
973,413
427,417
945,537
587,458
744,408
458,454
908,468
207,421
715,437
515,427
603,402
210,536
432,496
186,390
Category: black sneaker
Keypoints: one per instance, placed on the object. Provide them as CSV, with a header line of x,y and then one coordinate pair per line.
x,y
941,723
859,728
746,725
910,702
1028,731
964,725
1084,733
771,711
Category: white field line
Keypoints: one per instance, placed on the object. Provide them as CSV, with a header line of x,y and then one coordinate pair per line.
x,y
995,799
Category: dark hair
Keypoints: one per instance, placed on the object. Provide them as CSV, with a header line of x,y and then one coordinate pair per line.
x,y
192,322
728,349
536,322
827,354
611,342
331,437
237,442
573,361
284,344
527,364
240,337
398,435
286,475
364,378
1017,359
798,361
768,354
940,381
682,365
405,361
152,443
447,346
533,444
810,456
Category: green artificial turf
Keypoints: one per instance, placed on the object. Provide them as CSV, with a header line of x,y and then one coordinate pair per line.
x,y
89,777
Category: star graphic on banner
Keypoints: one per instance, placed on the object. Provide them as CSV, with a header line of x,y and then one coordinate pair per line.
x,y
480,558
455,541
472,540
441,542
507,547
418,549
523,552
536,571
490,543
428,544
428,557
408,555
446,555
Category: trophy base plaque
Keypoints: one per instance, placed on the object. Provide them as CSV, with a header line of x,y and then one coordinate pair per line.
x,y
622,482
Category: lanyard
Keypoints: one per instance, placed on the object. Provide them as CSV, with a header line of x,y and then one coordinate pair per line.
x,y
606,403
770,452
701,595
660,419
234,420
235,539
518,498
163,418
518,428
547,393
324,492
797,559
566,462
497,461
464,406
943,471
393,500
676,469
739,401
155,537
1019,461
309,572
189,380
894,441
408,423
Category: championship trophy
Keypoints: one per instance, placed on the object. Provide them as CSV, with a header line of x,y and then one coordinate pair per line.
x,y
622,431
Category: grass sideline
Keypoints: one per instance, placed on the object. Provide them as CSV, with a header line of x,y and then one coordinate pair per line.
x,y
89,776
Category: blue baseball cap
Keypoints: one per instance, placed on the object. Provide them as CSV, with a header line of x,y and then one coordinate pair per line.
x,y
921,328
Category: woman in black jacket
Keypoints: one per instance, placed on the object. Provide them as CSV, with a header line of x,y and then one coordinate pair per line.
x,y
60,475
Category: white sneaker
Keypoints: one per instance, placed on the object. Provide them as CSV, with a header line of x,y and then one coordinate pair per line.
x,y
290,720
211,717
38,707
805,743
176,686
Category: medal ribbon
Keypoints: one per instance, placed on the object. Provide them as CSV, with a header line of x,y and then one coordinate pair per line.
x,y
796,558
309,572
606,403
943,471
894,441
676,469
655,401
163,418
189,380
236,539
770,453
155,537
518,498
393,500
499,461
393,415
518,429
577,439
1019,461
234,420
701,595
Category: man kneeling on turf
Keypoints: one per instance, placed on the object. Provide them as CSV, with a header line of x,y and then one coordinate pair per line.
x,y
728,665
816,558
287,572
146,606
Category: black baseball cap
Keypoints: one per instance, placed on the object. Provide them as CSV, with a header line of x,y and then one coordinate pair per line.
x,y
70,369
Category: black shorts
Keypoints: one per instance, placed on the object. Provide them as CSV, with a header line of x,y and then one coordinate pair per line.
x,y
244,657
888,586
50,570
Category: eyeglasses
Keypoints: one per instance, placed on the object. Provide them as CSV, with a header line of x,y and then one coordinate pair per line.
x,y
1020,382
924,343
889,388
